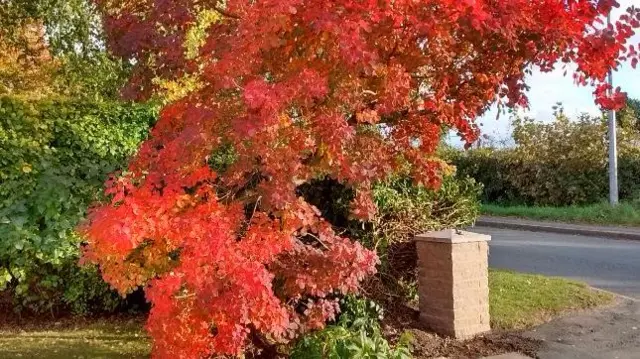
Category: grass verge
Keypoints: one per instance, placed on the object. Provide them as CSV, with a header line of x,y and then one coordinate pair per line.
x,y
625,214
520,301
104,339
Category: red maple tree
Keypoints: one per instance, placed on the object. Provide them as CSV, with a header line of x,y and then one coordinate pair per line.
x,y
352,90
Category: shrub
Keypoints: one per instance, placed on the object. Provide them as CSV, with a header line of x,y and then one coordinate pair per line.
x,y
405,209
628,174
356,334
54,158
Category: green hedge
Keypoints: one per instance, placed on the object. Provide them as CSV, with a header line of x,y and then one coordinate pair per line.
x,y
54,158
553,164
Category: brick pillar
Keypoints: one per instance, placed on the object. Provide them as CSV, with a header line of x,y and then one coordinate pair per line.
x,y
453,283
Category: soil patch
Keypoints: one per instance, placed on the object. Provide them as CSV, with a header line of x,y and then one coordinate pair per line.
x,y
429,345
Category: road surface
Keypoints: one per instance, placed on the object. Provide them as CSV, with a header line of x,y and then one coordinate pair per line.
x,y
609,264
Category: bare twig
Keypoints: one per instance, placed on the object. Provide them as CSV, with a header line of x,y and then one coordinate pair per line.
x,y
255,207
319,240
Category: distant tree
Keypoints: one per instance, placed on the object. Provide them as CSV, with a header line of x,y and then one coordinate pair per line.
x,y
57,45
70,26
629,116
26,69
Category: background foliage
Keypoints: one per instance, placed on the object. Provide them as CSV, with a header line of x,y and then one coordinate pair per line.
x,y
54,158
564,162
56,48
70,26
26,69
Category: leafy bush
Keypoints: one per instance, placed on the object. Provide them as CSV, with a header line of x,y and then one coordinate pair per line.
x,y
404,210
54,158
560,163
356,334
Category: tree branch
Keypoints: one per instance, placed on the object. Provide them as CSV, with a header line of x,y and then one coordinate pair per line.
x,y
226,13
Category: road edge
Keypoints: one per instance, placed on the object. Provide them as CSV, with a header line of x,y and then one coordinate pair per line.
x,y
561,228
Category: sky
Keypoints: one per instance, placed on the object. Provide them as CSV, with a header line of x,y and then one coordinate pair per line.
x,y
549,88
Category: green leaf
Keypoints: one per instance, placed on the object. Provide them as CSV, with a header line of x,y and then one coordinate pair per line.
x,y
19,245
5,278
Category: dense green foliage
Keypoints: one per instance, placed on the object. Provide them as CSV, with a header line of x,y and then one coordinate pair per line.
x,y
554,164
629,116
356,334
98,78
54,158
488,166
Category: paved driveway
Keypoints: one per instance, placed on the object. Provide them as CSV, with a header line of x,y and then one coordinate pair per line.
x,y
603,263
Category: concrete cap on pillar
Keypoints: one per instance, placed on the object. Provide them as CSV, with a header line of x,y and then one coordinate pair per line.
x,y
452,236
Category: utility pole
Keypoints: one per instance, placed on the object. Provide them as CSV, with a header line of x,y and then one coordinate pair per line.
x,y
613,145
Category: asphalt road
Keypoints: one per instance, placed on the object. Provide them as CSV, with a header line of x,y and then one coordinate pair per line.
x,y
604,263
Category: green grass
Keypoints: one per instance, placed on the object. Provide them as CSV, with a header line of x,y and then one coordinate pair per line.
x,y
520,301
625,214
100,339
